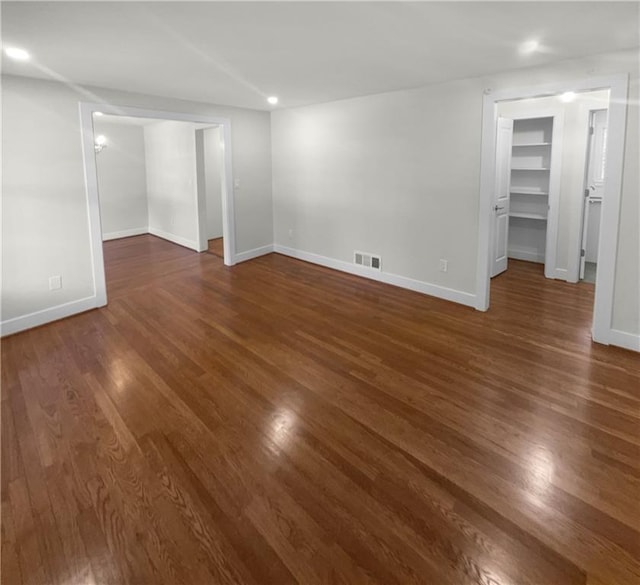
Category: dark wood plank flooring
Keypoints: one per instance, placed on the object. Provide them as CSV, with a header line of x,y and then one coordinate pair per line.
x,y
278,422
216,247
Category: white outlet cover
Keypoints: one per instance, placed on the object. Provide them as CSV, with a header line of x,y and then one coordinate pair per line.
x,y
55,282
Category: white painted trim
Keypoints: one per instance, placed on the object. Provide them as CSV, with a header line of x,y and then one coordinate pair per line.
x,y
254,253
561,274
624,339
610,212
91,181
575,242
555,178
426,288
525,255
191,244
605,278
125,233
93,205
23,322
228,202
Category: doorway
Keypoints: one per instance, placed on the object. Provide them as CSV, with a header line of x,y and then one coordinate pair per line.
x,y
209,154
528,171
147,170
593,192
617,86
542,158
198,239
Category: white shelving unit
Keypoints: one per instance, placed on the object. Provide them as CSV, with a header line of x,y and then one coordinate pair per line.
x,y
523,215
529,192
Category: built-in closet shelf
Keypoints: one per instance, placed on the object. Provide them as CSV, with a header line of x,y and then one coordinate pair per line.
x,y
527,144
532,157
516,191
538,216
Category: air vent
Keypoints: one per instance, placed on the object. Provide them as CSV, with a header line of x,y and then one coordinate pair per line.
x,y
367,260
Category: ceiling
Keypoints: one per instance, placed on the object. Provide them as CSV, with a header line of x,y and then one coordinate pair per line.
x,y
238,53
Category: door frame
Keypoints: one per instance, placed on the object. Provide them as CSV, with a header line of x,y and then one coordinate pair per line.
x,y
576,271
618,86
87,110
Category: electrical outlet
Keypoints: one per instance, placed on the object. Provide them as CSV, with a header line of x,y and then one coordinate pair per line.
x,y
444,265
290,234
55,282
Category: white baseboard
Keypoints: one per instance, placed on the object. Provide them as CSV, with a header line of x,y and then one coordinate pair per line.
x,y
250,254
44,316
561,274
125,233
525,255
623,339
426,288
191,244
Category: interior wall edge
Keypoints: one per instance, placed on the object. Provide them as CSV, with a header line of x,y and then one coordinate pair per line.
x,y
254,253
433,290
48,315
125,233
191,244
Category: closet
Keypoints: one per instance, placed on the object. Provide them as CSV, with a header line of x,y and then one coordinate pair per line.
x,y
530,188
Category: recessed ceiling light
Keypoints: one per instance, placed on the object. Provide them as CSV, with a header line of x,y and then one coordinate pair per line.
x,y
273,100
17,54
98,114
530,46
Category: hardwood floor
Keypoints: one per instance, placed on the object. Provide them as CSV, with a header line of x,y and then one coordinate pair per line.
x,y
215,247
278,422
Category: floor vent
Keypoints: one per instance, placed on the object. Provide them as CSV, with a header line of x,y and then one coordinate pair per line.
x,y
367,260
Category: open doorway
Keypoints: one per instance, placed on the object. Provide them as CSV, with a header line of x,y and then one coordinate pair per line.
x,y
595,167
543,153
538,192
209,162
147,170
155,172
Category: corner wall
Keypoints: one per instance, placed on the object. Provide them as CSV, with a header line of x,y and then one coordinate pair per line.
x,y
45,222
122,180
397,174
172,196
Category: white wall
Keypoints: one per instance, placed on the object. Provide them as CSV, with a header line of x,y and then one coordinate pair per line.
x,y
45,228
213,162
122,182
172,197
392,174
210,166
397,174
573,162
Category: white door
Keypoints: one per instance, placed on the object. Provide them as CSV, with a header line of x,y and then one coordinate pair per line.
x,y
501,196
596,165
